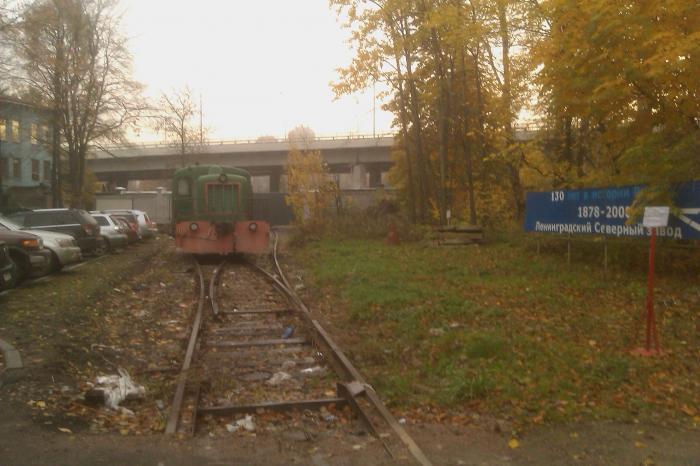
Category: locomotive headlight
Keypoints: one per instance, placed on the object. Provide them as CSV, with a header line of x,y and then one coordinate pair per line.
x,y
253,227
223,178
194,227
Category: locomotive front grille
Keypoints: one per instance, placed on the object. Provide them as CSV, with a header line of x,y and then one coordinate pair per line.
x,y
222,197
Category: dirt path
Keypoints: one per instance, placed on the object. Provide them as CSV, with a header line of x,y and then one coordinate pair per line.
x,y
26,442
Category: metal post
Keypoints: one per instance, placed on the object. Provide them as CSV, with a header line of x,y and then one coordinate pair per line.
x,y
651,320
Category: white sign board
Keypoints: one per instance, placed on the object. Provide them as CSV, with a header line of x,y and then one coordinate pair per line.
x,y
655,217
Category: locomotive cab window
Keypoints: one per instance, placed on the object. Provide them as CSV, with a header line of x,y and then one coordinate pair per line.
x,y
183,187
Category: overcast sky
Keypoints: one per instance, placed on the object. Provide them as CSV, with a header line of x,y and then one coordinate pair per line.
x,y
263,67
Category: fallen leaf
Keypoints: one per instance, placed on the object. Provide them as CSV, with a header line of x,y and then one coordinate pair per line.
x,y
513,443
689,410
65,430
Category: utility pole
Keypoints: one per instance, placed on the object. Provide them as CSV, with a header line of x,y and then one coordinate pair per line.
x,y
56,194
374,108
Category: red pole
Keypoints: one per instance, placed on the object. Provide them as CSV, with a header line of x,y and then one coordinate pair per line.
x,y
651,324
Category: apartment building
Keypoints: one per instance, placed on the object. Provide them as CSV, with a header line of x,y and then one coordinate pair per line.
x,y
26,136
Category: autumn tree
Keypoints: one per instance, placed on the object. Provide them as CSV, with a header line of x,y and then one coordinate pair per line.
x,y
311,190
387,45
614,84
301,136
6,21
456,75
619,87
73,57
178,118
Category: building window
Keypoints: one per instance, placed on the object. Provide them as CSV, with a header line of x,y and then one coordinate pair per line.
x,y
17,168
35,133
47,170
15,131
46,133
3,130
35,170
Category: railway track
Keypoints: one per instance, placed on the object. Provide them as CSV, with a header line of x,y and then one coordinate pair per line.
x,y
255,349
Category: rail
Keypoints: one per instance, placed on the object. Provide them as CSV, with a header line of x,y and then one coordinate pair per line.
x,y
352,388
356,385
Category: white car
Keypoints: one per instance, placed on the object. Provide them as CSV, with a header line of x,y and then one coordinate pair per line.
x,y
147,229
64,248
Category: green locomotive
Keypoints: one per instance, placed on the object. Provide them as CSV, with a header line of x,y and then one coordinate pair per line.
x,y
212,211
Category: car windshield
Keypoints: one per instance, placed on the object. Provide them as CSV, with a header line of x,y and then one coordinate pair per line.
x,y
8,224
102,221
127,218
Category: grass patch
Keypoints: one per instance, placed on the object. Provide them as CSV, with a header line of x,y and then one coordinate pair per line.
x,y
499,330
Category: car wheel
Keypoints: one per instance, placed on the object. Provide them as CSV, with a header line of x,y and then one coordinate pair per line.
x,y
20,267
102,248
55,264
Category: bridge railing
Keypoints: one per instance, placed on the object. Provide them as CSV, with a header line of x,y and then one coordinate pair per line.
x,y
259,140
521,127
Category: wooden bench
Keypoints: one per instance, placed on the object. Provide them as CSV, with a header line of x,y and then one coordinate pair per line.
x,y
459,235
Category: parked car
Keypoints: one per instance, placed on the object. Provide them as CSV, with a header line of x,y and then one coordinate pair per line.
x,y
64,248
147,229
130,229
8,269
114,235
131,222
28,253
75,222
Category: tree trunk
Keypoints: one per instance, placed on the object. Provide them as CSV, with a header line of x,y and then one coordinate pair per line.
x,y
442,106
465,144
422,175
481,137
507,98
568,141
582,147
410,182
56,188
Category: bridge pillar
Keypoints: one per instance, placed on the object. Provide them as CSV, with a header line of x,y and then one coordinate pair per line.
x,y
375,177
359,176
275,176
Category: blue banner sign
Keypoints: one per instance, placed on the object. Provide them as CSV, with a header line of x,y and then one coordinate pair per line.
x,y
606,212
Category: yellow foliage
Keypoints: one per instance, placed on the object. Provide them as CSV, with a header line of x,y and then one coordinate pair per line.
x,y
311,190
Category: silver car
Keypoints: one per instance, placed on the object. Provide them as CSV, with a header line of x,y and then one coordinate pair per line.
x,y
147,229
64,248
112,232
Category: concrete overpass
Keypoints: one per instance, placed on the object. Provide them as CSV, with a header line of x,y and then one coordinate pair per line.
x,y
356,156
359,160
